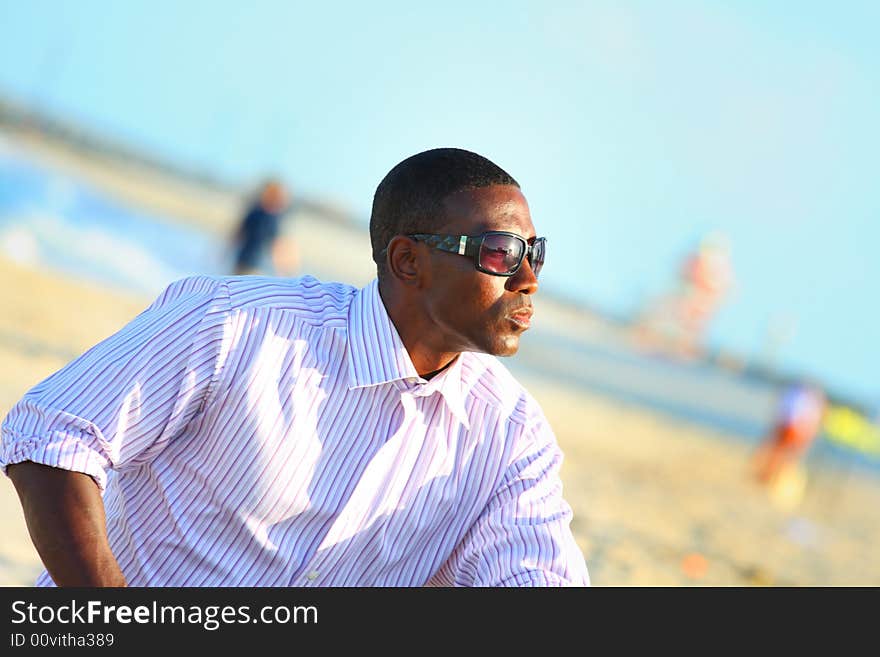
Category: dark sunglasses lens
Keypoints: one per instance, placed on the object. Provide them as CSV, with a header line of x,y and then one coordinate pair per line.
x,y
537,257
501,254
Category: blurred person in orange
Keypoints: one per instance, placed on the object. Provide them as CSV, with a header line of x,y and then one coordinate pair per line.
x,y
260,247
797,424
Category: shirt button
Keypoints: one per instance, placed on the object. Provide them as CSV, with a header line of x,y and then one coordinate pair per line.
x,y
312,574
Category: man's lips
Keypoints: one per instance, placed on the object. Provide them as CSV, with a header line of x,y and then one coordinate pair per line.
x,y
522,317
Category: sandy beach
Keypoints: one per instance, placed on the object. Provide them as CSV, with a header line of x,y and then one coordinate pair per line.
x,y
657,501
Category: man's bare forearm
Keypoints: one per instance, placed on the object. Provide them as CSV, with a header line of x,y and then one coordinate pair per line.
x,y
65,517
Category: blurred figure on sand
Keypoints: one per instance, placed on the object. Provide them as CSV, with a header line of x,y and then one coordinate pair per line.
x,y
678,322
799,419
259,244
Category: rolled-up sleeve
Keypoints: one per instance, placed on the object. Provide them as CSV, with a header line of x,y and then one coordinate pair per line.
x,y
120,402
523,536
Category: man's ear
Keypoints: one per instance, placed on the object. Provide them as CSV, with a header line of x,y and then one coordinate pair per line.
x,y
404,260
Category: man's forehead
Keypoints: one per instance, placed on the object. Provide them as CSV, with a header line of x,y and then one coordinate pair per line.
x,y
496,207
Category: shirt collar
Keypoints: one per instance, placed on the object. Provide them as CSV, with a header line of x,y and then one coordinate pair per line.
x,y
377,355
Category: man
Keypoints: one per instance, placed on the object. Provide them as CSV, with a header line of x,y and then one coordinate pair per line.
x,y
251,431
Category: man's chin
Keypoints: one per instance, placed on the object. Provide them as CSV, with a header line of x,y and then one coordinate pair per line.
x,y
506,347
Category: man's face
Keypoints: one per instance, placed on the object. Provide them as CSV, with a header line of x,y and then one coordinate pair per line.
x,y
475,311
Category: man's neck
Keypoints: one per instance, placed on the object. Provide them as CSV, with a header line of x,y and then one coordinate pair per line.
x,y
427,359
431,375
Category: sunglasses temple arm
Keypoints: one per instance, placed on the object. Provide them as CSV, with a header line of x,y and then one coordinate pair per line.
x,y
471,246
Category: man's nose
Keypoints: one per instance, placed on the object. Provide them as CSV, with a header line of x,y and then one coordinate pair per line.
x,y
524,280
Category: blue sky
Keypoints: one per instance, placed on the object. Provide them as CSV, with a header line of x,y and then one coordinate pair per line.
x,y
634,128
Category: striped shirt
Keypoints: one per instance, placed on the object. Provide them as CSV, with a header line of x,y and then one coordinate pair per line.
x,y
251,431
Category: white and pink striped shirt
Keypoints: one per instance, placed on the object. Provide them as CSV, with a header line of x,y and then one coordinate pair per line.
x,y
251,431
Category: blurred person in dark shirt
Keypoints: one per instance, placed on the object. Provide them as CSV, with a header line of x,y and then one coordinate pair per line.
x,y
259,245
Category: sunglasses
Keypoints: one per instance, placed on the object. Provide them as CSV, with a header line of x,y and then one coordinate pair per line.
x,y
495,252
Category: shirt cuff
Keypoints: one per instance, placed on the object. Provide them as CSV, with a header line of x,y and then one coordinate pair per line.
x,y
66,450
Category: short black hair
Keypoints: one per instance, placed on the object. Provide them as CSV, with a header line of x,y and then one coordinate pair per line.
x,y
410,197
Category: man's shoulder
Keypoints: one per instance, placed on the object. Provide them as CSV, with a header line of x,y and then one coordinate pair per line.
x,y
311,299
304,294
486,378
